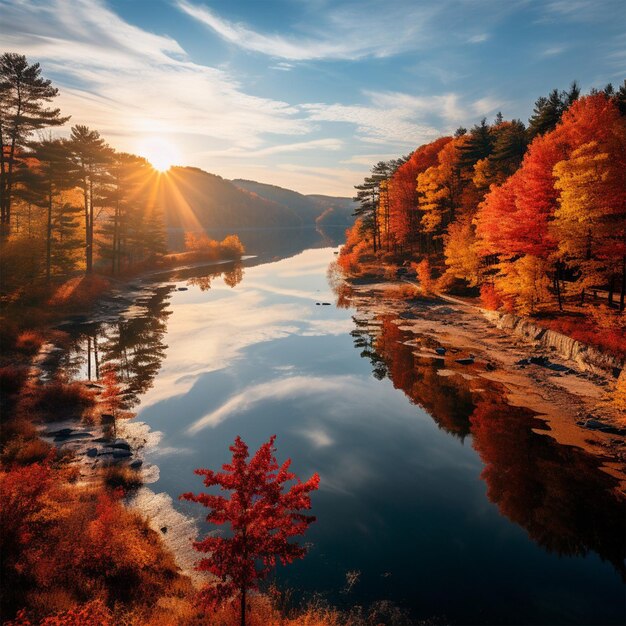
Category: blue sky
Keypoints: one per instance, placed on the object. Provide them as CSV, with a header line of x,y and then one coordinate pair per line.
x,y
308,93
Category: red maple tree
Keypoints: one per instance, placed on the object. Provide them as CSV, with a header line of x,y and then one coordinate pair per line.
x,y
262,518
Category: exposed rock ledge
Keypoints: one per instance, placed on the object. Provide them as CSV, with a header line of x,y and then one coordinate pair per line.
x,y
586,357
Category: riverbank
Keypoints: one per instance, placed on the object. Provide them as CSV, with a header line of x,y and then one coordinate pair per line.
x,y
576,403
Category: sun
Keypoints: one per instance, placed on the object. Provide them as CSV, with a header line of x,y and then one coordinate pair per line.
x,y
161,153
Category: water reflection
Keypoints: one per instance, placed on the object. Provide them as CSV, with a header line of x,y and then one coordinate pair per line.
x,y
557,493
446,500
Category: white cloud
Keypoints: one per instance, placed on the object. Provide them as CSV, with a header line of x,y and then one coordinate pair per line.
x,y
352,31
126,81
314,144
553,51
403,119
478,38
292,387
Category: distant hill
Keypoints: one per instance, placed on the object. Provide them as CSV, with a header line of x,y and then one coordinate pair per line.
x,y
313,209
194,199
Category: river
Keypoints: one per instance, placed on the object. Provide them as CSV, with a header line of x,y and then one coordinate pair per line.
x,y
448,517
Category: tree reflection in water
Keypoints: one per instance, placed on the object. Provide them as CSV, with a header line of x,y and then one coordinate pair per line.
x,y
134,344
559,494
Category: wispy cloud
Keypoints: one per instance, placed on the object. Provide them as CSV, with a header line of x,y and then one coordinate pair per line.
x,y
553,51
350,31
403,119
299,146
124,80
478,38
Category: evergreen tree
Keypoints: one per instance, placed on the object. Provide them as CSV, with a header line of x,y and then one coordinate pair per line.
x,y
91,155
23,97
478,145
55,174
548,111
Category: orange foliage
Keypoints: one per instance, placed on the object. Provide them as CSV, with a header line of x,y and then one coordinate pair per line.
x,y
490,298
424,276
80,291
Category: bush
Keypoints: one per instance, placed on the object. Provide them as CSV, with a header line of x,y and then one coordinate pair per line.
x,y
59,399
28,342
24,451
424,276
490,298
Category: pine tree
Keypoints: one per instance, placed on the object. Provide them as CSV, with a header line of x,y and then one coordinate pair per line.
x,y
478,145
55,174
23,97
91,156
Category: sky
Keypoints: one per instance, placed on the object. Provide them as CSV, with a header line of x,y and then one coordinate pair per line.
x,y
307,94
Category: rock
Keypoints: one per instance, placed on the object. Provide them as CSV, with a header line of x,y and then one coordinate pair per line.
x,y
466,361
441,350
136,464
59,433
119,444
522,362
325,303
163,529
91,452
121,454
183,289
317,303
408,315
490,367
102,440
72,436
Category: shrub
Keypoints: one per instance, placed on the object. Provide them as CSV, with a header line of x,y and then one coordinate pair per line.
x,y
424,276
29,342
24,451
231,247
59,399
490,298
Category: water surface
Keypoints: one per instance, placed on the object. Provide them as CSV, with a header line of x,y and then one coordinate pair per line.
x,y
453,508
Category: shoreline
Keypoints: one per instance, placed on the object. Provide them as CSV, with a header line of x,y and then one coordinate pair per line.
x,y
565,397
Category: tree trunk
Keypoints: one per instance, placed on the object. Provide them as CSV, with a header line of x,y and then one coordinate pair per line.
x,y
611,291
243,607
90,230
622,295
49,239
558,285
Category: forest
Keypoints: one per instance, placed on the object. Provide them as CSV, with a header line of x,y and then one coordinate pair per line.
x,y
530,218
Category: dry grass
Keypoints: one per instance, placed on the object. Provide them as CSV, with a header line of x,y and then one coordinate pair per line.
x,y
121,477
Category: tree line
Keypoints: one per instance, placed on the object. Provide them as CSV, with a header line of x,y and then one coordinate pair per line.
x,y
66,204
525,213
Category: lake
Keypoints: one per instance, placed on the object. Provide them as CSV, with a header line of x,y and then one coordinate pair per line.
x,y
457,513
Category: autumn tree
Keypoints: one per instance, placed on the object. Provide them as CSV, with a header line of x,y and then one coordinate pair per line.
x,y
24,95
262,515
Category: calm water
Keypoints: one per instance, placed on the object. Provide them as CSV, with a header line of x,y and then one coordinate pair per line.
x,y
439,496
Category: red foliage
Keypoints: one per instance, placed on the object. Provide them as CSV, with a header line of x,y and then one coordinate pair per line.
x,y
403,198
612,341
490,297
262,518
